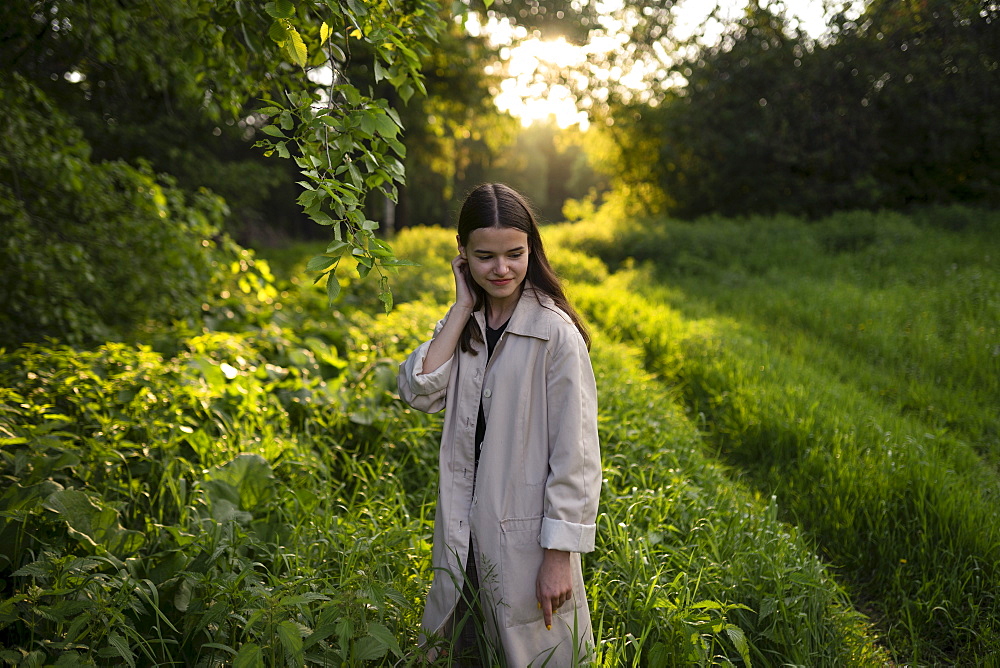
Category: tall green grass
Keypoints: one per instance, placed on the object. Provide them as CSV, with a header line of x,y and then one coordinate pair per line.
x,y
898,499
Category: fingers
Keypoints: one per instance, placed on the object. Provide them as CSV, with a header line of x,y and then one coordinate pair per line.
x,y
547,612
550,605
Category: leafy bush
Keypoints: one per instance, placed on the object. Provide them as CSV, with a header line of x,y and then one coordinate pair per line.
x,y
91,251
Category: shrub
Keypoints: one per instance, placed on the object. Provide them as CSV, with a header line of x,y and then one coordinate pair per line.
x,y
91,251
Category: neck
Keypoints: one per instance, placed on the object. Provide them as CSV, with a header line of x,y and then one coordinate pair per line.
x,y
498,312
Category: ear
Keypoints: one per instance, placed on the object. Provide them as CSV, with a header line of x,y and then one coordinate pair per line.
x,y
461,248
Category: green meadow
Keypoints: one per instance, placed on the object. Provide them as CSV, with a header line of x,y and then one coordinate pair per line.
x,y
799,424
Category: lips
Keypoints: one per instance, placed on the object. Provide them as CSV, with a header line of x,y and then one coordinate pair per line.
x,y
502,282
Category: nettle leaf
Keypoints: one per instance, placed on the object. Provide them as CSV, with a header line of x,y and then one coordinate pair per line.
x,y
368,649
291,640
249,656
121,648
384,636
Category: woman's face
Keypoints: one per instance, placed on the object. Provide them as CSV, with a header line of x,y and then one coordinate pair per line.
x,y
498,261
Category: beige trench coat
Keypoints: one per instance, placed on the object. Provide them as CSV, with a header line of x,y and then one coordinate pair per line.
x,y
538,483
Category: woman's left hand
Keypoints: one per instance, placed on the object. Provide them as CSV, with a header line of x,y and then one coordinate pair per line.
x,y
554,585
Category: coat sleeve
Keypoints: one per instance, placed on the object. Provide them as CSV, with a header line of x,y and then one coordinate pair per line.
x,y
426,392
574,480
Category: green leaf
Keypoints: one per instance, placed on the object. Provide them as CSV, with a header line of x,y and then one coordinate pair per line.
x,y
736,634
368,649
332,287
336,248
707,605
249,656
321,218
375,629
385,126
321,263
280,9
278,32
273,131
121,648
296,48
291,640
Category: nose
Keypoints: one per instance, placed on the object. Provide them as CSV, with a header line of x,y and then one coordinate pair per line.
x,y
501,266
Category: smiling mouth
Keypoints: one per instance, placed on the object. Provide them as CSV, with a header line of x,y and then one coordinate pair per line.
x,y
501,281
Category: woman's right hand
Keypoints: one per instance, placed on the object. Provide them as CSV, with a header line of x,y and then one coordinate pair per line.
x,y
464,298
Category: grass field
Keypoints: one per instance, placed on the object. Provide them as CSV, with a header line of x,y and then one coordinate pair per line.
x,y
799,426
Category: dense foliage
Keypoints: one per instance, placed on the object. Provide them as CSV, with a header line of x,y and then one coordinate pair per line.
x,y
256,494
92,250
891,109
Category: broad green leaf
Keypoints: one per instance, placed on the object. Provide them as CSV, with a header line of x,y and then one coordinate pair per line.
x,y
278,32
273,131
736,634
368,649
248,475
321,263
336,248
249,656
321,218
291,640
296,48
385,126
280,9
375,629
352,94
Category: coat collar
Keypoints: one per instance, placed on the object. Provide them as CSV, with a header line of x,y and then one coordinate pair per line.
x,y
529,318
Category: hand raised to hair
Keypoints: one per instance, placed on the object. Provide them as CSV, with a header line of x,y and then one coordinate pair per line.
x,y
464,298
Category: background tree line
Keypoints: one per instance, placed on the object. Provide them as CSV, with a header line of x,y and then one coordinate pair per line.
x,y
890,109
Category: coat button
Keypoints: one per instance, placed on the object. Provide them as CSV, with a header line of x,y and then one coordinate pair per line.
x,y
488,394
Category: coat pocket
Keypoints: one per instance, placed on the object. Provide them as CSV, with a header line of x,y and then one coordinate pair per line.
x,y
520,559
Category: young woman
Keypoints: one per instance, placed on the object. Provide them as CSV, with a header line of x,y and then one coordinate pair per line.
x,y
520,460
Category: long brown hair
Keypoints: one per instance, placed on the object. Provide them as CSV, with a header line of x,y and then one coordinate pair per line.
x,y
499,205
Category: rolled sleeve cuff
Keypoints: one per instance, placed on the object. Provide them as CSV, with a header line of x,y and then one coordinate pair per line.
x,y
428,383
567,536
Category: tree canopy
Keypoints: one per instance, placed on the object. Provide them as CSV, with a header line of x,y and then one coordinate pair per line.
x,y
890,109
